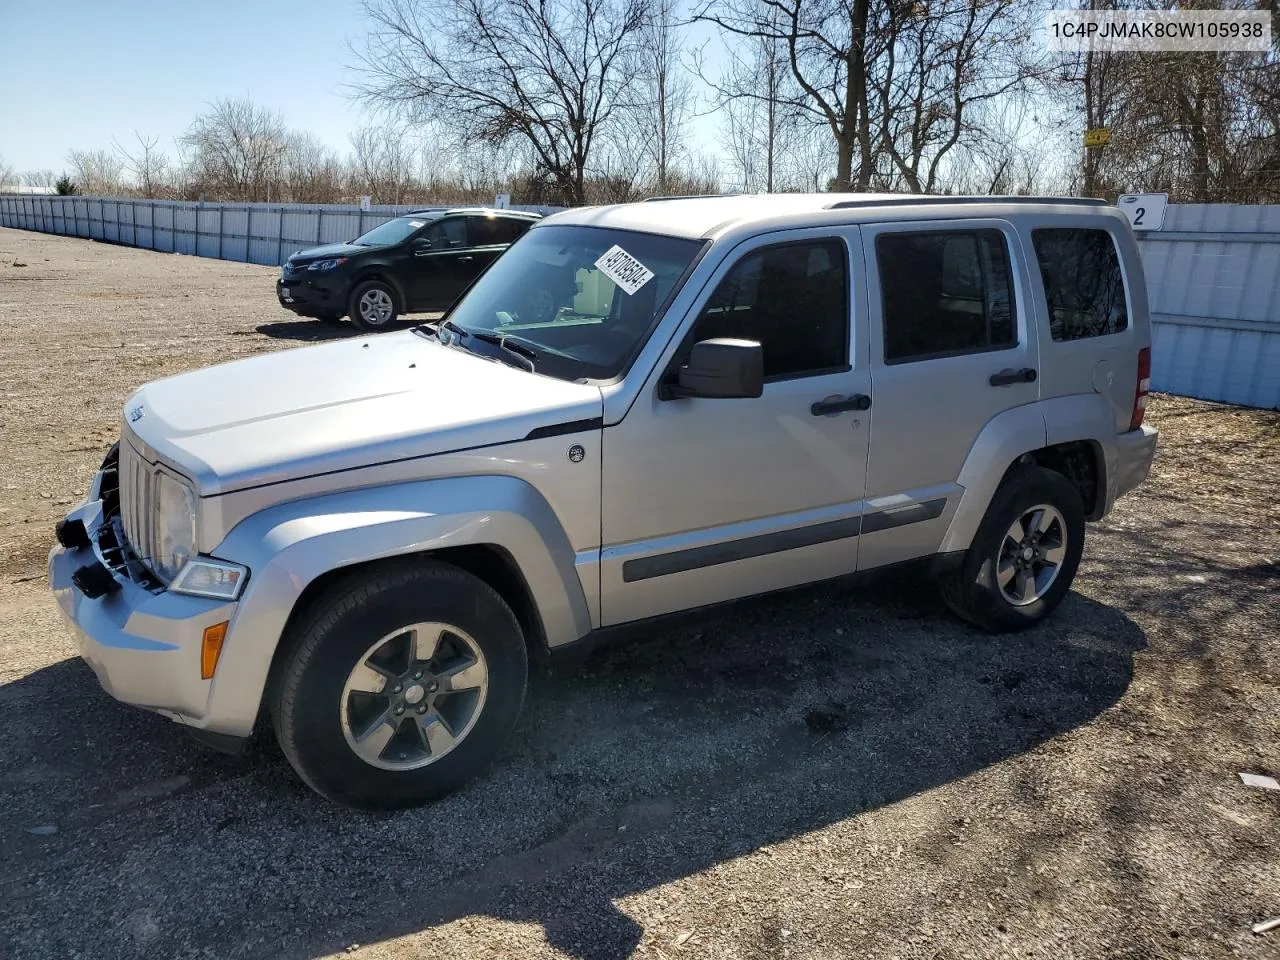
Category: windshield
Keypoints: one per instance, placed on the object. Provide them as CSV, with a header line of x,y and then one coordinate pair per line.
x,y
583,298
393,231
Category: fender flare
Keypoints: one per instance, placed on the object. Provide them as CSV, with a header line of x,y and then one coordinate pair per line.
x,y
1004,438
287,546
1087,417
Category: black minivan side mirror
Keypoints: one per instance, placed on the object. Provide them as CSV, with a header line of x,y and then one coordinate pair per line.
x,y
420,246
723,368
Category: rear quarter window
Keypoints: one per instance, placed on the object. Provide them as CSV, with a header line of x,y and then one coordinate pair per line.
x,y
1083,284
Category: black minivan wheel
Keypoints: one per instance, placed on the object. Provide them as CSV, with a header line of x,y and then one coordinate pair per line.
x,y
1024,555
400,686
374,306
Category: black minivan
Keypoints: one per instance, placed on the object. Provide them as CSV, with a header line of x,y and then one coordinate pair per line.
x,y
415,262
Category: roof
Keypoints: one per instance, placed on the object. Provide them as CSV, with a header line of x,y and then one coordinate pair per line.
x,y
697,217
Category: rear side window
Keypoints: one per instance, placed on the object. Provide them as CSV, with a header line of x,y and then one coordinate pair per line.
x,y
793,300
489,231
945,293
450,232
1082,283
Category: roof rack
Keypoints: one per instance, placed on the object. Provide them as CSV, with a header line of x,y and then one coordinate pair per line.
x,y
933,200
687,196
448,209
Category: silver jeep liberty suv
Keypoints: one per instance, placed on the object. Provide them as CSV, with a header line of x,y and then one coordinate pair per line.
x,y
364,541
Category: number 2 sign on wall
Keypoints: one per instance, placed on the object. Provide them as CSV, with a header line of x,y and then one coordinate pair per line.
x,y
1144,210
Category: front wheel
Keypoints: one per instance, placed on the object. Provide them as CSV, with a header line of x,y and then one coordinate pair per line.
x,y
401,686
374,306
1024,555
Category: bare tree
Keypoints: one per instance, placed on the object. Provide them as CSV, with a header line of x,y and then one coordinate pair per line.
x,y
97,173
7,176
147,165
895,82
1203,126
761,108
665,96
310,171
548,73
237,150
382,161
45,179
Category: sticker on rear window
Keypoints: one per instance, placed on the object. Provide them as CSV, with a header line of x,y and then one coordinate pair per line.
x,y
624,269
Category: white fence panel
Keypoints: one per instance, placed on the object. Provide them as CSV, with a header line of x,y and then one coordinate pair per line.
x,y
1213,277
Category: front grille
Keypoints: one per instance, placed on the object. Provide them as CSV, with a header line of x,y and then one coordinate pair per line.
x,y
136,484
115,492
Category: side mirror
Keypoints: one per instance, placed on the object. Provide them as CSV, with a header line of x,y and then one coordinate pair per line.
x,y
421,245
722,368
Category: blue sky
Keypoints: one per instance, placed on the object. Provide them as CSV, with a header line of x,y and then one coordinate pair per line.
x,y
77,73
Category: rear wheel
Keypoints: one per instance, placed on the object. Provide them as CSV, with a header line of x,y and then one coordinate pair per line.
x,y
1023,556
401,686
374,306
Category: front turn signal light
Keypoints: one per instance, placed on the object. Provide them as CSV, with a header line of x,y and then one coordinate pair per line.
x,y
211,648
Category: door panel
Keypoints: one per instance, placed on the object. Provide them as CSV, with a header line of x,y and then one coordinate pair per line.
x,y
947,303
707,500
437,272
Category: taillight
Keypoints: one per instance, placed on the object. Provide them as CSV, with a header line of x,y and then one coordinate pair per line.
x,y
1140,393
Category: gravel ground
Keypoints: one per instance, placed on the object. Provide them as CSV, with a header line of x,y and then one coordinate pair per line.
x,y
834,773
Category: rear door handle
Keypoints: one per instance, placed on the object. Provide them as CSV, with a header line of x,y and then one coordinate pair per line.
x,y
1007,378
858,401
465,259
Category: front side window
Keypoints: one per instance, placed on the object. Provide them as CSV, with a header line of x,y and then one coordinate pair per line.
x,y
945,293
792,299
1082,282
584,299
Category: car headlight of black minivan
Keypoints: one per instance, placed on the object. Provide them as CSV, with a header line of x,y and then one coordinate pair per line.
x,y
327,264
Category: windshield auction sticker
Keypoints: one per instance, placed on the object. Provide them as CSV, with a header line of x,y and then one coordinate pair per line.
x,y
624,269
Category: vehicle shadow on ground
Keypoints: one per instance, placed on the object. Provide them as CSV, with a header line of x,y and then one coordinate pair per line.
x,y
644,764
309,331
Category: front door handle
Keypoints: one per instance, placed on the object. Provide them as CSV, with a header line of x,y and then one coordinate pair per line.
x,y
858,401
1007,378
465,259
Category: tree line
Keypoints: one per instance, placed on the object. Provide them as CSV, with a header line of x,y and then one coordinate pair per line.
x,y
589,101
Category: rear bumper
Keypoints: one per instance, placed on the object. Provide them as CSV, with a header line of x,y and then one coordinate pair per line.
x,y
1135,450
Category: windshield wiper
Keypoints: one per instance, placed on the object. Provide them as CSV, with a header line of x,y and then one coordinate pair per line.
x,y
452,327
527,355
513,347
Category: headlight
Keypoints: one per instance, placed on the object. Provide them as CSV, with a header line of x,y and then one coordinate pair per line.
x,y
205,577
175,507
327,264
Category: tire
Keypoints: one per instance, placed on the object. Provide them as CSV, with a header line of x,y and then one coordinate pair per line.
x,y
1028,594
374,306
320,709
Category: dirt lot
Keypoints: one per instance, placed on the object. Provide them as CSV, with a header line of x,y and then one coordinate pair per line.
x,y
836,773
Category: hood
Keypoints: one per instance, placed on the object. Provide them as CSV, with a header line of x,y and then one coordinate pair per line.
x,y
342,405
327,251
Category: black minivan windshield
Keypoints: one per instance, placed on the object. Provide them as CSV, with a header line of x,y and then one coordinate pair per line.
x,y
581,300
391,232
